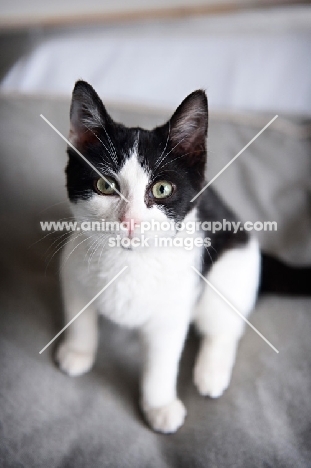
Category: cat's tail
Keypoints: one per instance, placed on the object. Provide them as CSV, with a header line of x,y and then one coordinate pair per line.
x,y
278,277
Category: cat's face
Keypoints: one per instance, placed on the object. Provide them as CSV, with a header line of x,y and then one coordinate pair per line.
x,y
149,175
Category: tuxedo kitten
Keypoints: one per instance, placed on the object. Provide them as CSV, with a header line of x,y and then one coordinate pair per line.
x,y
152,176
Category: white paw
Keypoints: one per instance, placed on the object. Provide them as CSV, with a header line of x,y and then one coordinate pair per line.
x,y
73,362
211,382
166,419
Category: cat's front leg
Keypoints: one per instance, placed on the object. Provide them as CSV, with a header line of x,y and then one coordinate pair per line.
x,y
163,344
76,353
235,275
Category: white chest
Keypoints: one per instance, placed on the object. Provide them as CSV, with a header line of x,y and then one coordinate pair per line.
x,y
157,283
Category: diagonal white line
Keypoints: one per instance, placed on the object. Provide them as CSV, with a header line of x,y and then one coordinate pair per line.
x,y
81,155
233,159
82,310
235,310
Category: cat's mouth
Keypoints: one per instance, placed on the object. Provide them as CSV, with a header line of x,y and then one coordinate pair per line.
x,y
125,247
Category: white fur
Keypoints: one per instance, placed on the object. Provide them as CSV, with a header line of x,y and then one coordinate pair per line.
x,y
235,275
157,293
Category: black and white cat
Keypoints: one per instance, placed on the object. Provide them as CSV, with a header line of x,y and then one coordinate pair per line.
x,y
158,173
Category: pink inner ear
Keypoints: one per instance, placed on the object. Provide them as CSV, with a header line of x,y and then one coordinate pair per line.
x,y
189,132
80,136
191,138
189,123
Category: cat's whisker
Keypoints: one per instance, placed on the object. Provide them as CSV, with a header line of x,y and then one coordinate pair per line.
x,y
51,206
99,243
178,157
209,254
105,169
56,240
99,139
58,249
91,254
158,162
165,172
59,241
112,147
55,231
93,249
213,249
68,256
167,154
102,249
63,242
89,248
41,239
175,159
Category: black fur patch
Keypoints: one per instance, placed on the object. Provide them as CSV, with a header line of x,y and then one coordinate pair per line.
x,y
212,208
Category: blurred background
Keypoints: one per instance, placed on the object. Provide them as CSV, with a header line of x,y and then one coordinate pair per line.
x,y
143,57
153,53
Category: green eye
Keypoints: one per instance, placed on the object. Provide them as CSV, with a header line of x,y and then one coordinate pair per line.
x,y
106,187
162,189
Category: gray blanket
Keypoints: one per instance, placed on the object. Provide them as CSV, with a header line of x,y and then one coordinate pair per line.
x,y
51,420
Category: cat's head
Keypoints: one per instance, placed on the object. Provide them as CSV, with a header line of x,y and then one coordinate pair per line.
x,y
148,175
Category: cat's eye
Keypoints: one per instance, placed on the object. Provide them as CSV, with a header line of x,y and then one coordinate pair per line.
x,y
162,189
106,186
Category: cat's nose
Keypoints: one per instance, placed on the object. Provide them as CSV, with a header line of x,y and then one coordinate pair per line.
x,y
131,224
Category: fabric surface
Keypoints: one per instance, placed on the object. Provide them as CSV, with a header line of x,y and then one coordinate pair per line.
x,y
51,420
144,62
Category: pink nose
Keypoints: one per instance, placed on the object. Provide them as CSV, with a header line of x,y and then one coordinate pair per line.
x,y
132,223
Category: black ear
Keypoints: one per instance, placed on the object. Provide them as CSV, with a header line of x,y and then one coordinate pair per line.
x,y
188,125
87,113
